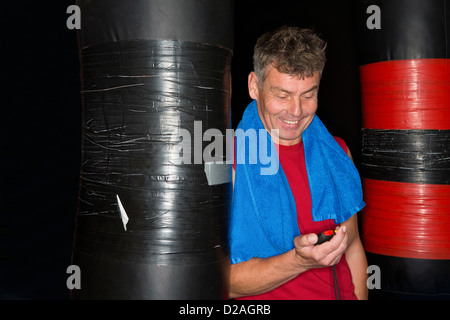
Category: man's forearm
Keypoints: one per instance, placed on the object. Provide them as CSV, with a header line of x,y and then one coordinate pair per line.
x,y
257,275
356,259
357,263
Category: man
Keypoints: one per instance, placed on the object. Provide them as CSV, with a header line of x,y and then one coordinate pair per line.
x,y
275,219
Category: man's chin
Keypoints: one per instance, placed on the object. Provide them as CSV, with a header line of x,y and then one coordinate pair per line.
x,y
289,141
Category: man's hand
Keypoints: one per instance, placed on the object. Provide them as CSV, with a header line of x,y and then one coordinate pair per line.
x,y
246,277
327,254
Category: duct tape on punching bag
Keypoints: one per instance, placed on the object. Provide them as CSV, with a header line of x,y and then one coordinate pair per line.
x,y
405,89
152,215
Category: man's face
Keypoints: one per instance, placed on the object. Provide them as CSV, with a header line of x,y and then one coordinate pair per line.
x,y
286,103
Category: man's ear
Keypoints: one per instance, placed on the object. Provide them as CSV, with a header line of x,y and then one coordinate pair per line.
x,y
253,88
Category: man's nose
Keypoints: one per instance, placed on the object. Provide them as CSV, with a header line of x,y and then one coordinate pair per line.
x,y
295,109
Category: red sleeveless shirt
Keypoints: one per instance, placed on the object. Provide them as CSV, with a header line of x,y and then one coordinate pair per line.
x,y
314,284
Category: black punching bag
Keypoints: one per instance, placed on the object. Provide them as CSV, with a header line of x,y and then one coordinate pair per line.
x,y
405,83
152,215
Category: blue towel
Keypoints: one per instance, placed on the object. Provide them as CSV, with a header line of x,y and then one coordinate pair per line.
x,y
263,221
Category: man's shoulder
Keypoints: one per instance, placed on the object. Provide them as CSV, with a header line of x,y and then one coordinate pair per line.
x,y
341,142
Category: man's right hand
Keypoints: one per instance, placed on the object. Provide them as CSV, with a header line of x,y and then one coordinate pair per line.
x,y
327,254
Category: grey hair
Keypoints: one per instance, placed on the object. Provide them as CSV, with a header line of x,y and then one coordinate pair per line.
x,y
291,50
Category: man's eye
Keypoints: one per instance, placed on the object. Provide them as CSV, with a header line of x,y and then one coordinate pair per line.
x,y
310,96
283,97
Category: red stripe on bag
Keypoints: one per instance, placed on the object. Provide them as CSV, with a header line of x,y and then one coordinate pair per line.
x,y
406,94
406,220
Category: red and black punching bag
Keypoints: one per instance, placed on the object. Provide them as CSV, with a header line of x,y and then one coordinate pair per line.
x,y
147,226
405,88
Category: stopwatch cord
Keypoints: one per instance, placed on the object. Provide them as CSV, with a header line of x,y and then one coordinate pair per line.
x,y
337,292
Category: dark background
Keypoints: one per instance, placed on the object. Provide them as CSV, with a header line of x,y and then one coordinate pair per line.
x,y
41,120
